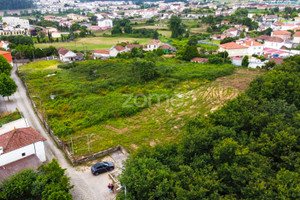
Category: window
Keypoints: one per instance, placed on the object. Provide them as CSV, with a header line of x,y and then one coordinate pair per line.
x,y
23,154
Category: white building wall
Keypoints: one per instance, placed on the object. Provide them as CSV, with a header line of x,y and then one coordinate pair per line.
x,y
235,52
152,47
105,23
258,50
113,52
40,150
37,148
274,45
14,21
16,154
100,55
296,40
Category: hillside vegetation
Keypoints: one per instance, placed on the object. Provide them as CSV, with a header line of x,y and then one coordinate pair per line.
x,y
248,149
93,94
15,4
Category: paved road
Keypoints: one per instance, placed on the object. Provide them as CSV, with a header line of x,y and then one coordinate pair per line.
x,y
82,189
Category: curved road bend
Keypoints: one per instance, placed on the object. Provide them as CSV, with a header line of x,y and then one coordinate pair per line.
x,y
81,190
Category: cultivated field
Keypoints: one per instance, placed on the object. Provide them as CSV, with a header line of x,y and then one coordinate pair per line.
x,y
94,43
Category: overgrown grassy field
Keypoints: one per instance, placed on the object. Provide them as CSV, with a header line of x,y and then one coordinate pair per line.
x,y
94,43
9,117
103,100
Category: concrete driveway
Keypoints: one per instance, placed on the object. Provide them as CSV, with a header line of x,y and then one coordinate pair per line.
x,y
98,184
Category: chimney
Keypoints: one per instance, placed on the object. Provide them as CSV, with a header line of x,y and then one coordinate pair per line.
x,y
1,150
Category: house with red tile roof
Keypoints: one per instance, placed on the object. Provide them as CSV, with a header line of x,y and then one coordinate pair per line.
x,y
273,42
7,56
100,54
234,49
66,55
115,50
153,44
20,143
199,60
232,31
296,37
254,47
282,34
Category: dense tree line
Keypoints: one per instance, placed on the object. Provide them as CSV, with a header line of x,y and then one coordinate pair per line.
x,y
31,52
18,39
7,85
239,17
248,149
49,182
15,4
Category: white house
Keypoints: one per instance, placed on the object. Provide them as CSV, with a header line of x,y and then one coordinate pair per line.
x,y
66,55
4,44
285,35
254,63
233,31
273,42
108,23
21,143
234,49
115,50
254,47
296,37
99,54
153,44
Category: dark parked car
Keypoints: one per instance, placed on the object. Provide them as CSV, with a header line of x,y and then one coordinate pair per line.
x,y
102,167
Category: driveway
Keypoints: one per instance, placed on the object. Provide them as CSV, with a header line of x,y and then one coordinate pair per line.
x,y
86,186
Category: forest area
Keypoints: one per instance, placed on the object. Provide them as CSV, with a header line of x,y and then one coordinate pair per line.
x,y
248,149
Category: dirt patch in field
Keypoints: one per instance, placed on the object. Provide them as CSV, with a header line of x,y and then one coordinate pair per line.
x,y
239,80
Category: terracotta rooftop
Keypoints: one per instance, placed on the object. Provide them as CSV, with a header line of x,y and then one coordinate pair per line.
x,y
252,43
232,45
263,37
6,55
62,51
274,39
165,47
119,48
281,33
153,42
297,34
18,138
130,46
202,60
278,61
101,51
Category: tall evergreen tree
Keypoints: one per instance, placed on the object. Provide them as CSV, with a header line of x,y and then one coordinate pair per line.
x,y
176,26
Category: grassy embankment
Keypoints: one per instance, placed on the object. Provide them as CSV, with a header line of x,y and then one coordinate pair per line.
x,y
90,99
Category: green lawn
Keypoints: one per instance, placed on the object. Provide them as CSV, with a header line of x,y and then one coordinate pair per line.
x,y
90,100
9,117
94,43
